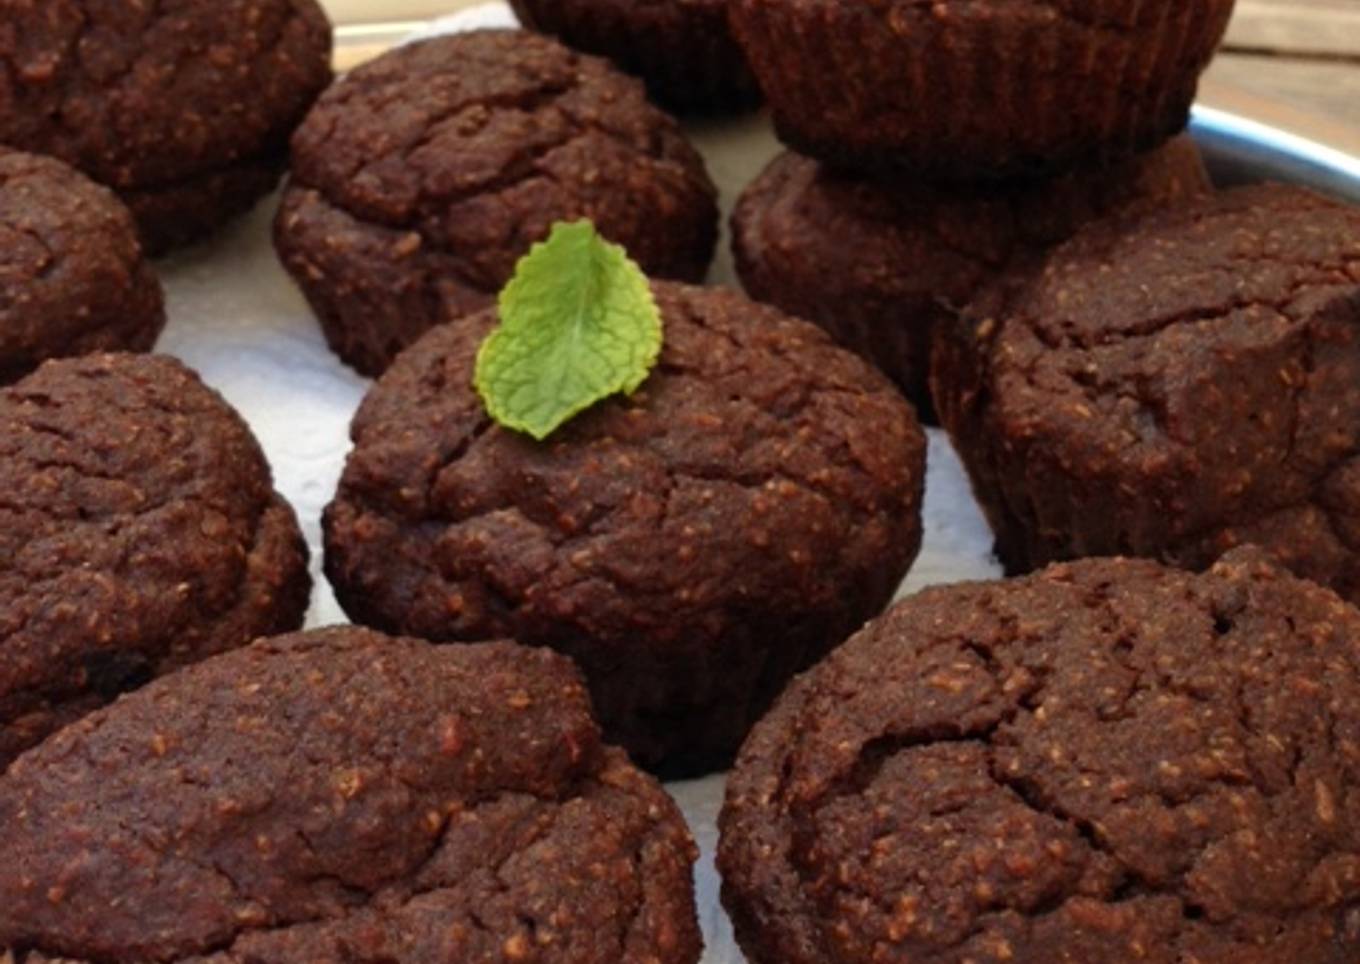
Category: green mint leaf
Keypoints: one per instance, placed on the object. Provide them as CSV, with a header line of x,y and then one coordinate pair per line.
x,y
578,324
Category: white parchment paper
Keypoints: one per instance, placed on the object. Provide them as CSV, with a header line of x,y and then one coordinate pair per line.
x,y
237,318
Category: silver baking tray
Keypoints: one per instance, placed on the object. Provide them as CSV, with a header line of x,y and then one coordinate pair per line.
x,y
1240,150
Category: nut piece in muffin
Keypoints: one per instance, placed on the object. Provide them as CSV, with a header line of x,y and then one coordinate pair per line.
x,y
420,179
142,532
682,49
184,109
1107,761
691,546
879,263
975,89
71,268
343,796
1170,384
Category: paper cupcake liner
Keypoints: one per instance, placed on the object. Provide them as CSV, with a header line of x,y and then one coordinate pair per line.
x,y
682,50
954,95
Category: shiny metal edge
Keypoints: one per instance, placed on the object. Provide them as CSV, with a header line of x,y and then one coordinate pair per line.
x,y
1239,150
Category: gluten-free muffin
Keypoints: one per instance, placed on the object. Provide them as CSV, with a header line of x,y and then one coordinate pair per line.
x,y
682,49
400,218
184,108
71,269
879,263
342,796
973,89
691,546
141,532
1171,383
1109,760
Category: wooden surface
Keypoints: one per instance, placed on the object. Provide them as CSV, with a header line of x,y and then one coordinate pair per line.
x,y
1295,63
1303,53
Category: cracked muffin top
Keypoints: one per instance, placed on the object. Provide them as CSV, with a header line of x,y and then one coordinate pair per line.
x,y
73,275
1172,383
1106,761
340,795
421,178
691,546
141,95
141,532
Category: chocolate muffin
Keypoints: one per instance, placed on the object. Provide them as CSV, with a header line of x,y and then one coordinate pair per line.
x,y
71,269
184,109
682,49
966,90
141,533
342,796
401,218
879,263
1170,384
691,546
1107,761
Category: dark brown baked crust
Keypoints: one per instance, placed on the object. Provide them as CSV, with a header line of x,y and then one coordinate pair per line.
x,y
398,220
691,547
145,97
880,263
974,89
342,796
141,533
1171,384
1107,761
682,49
71,271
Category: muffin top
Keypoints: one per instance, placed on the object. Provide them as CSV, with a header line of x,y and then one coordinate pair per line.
x,y
1109,760
759,467
339,795
475,144
137,94
70,266
1241,252
142,532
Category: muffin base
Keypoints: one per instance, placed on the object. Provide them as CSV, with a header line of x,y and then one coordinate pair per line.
x,y
968,92
682,49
